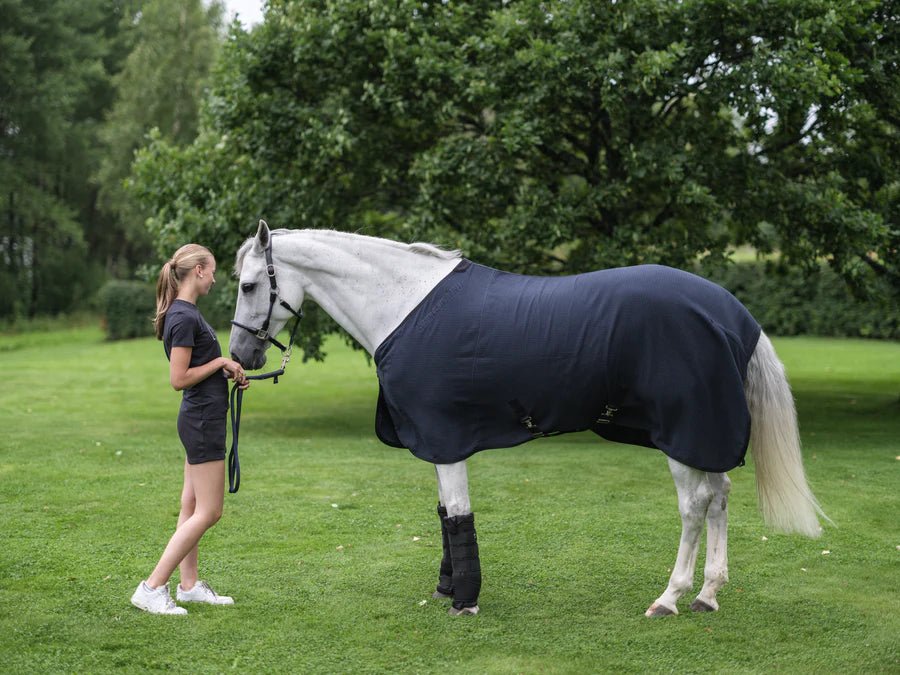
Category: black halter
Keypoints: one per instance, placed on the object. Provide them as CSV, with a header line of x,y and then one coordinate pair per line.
x,y
262,333
237,394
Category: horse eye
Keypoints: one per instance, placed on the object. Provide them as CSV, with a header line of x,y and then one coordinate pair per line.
x,y
248,288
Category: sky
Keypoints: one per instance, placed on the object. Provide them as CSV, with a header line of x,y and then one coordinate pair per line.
x,y
248,11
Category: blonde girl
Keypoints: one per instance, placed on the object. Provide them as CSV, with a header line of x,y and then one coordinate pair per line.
x,y
198,369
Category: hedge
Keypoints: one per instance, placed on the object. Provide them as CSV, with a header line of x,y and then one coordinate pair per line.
x,y
791,302
128,309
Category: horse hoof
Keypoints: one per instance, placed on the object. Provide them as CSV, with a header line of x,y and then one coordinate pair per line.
x,y
465,611
699,606
659,610
437,595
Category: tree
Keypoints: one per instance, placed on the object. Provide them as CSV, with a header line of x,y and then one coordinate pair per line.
x,y
52,77
555,137
56,87
174,45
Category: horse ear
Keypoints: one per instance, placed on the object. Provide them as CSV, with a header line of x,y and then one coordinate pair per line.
x,y
262,236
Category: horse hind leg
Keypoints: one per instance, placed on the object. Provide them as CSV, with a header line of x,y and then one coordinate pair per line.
x,y
459,524
694,496
715,574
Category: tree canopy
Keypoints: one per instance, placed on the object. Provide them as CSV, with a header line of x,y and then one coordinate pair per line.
x,y
61,72
554,137
161,86
53,83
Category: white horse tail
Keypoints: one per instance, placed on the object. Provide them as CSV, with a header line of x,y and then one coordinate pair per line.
x,y
785,500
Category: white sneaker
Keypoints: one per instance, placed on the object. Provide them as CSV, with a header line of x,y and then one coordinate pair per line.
x,y
201,592
155,600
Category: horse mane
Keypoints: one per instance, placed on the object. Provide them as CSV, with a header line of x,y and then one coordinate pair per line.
x,y
430,249
241,254
419,248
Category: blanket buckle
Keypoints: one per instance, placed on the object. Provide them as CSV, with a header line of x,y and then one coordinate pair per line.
x,y
526,419
607,415
533,428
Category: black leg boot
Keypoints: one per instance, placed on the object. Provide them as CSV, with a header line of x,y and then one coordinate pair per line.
x,y
466,566
445,580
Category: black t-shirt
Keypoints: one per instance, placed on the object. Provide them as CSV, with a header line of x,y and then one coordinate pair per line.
x,y
186,327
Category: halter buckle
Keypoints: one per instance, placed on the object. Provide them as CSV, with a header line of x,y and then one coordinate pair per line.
x,y
262,334
270,270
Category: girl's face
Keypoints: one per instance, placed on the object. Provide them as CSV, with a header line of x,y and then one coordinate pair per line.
x,y
206,277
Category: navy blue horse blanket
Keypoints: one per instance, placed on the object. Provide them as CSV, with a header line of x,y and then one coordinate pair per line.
x,y
646,355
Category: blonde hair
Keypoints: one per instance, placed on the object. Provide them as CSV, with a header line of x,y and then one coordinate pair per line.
x,y
170,277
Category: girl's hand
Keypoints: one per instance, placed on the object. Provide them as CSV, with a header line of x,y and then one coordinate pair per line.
x,y
233,371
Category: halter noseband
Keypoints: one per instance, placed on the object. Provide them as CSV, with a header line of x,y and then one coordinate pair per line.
x,y
237,394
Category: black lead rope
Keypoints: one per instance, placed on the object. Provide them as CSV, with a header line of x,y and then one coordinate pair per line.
x,y
236,401
237,398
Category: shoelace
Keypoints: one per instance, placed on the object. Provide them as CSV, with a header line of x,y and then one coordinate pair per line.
x,y
170,603
205,587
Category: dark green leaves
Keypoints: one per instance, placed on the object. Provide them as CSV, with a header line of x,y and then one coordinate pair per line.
x,y
555,137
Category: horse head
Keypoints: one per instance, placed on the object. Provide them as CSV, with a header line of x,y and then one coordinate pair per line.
x,y
264,305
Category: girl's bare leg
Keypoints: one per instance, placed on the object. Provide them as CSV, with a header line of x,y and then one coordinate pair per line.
x,y
188,566
208,483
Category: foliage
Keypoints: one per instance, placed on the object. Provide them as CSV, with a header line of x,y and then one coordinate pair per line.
x,y
577,536
61,69
160,86
554,137
53,84
128,308
788,301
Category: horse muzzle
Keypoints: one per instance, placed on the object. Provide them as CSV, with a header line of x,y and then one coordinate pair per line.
x,y
255,361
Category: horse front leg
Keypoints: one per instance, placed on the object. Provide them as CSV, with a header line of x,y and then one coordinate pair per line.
x,y
444,587
694,496
461,541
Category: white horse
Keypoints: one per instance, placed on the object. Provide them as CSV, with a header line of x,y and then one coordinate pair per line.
x,y
370,286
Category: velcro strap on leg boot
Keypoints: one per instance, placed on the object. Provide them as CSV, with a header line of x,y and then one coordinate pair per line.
x,y
445,579
464,557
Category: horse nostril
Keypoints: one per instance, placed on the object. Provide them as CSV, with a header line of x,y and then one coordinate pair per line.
x,y
235,358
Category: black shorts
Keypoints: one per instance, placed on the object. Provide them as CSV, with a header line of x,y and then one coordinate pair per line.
x,y
203,439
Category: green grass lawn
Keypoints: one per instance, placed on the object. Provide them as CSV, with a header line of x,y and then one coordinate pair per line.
x,y
331,547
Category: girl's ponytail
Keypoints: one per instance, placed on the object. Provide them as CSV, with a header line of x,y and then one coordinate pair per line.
x,y
166,292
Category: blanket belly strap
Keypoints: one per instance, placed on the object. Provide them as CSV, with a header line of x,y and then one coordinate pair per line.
x,y
606,417
528,421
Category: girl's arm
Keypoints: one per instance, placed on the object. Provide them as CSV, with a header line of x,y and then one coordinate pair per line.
x,y
182,376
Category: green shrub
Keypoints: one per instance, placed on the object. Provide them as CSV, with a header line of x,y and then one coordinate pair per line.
x,y
128,308
791,302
